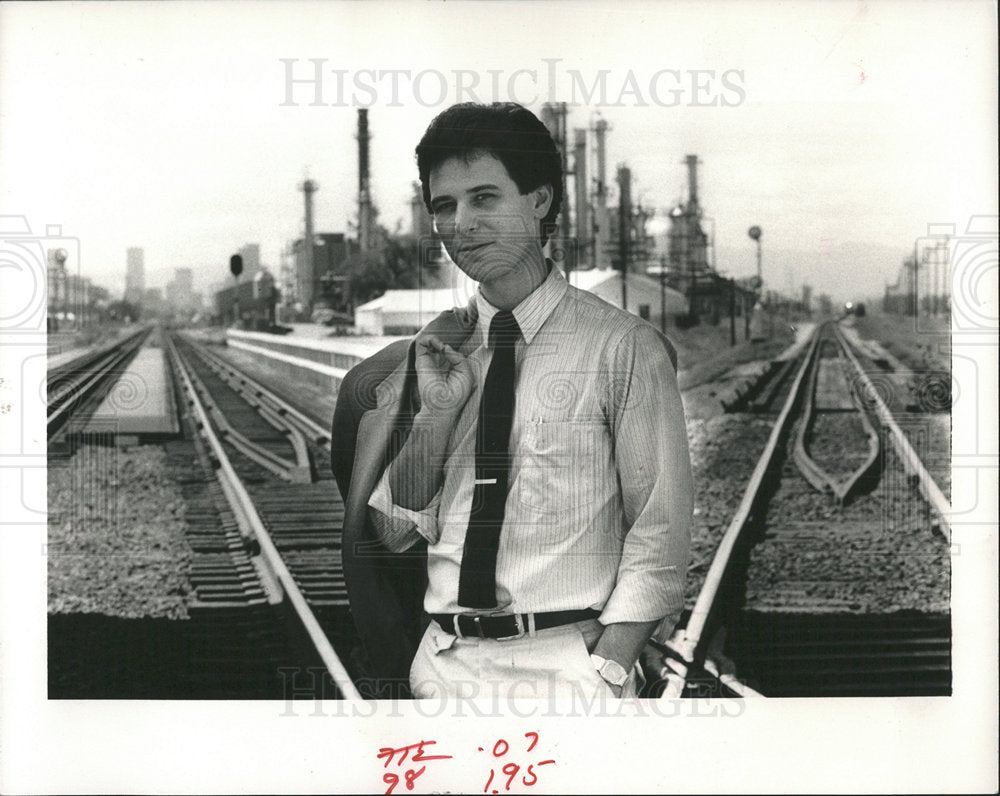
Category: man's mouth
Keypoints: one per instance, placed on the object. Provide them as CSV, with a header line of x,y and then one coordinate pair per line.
x,y
468,248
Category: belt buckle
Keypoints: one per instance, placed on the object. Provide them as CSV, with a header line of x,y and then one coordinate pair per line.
x,y
519,624
476,620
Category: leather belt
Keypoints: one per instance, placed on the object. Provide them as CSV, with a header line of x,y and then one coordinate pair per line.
x,y
503,627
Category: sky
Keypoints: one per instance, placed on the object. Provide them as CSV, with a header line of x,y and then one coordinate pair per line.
x,y
842,129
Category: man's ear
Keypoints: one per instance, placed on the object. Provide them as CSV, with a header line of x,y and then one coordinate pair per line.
x,y
542,200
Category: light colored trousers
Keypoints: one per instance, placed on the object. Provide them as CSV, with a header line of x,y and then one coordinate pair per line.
x,y
553,664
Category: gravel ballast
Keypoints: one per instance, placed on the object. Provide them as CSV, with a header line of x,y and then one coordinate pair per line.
x,y
116,535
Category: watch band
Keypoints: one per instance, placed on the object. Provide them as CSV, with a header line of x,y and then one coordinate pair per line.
x,y
610,671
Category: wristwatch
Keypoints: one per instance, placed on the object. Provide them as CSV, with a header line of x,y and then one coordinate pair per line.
x,y
611,671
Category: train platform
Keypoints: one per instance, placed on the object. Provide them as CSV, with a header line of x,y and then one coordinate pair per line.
x,y
141,405
54,361
65,348
309,353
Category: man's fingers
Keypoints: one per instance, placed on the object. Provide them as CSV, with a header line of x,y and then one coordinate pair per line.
x,y
431,345
451,355
429,342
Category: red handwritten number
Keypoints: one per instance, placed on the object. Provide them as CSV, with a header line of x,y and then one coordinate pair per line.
x,y
534,777
500,748
412,775
392,780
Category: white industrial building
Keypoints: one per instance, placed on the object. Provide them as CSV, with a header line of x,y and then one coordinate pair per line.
x,y
406,311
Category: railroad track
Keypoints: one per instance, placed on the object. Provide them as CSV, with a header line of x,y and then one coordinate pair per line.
x,y
832,577
287,518
78,387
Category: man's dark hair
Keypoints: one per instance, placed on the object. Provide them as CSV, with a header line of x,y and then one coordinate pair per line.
x,y
506,130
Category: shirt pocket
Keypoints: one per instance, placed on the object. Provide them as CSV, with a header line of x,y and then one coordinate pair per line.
x,y
564,466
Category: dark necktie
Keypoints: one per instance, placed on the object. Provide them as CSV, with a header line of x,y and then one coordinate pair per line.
x,y
477,579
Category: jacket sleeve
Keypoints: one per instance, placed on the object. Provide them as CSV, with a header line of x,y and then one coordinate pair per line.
x,y
357,394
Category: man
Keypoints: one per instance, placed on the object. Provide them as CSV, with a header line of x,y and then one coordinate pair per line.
x,y
540,457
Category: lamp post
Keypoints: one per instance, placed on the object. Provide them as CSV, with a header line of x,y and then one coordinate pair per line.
x,y
755,232
61,284
663,293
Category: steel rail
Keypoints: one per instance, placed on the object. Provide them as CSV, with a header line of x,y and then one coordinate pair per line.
x,y
265,458
89,358
244,507
98,368
284,468
319,434
685,641
840,489
911,462
260,399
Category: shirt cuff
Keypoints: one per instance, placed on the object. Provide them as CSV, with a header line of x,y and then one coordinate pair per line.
x,y
400,528
646,595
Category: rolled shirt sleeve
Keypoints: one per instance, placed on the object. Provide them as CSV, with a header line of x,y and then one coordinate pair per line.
x,y
400,528
654,470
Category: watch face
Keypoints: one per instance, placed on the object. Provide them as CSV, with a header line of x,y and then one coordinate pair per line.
x,y
613,672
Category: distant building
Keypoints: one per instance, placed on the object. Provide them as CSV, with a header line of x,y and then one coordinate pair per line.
x,y
152,303
325,281
642,293
402,311
251,261
406,311
180,295
135,276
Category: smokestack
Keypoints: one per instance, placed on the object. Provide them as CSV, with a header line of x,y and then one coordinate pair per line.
x,y
364,194
624,225
692,164
601,203
308,277
580,182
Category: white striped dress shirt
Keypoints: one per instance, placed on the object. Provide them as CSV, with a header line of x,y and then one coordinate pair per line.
x,y
599,509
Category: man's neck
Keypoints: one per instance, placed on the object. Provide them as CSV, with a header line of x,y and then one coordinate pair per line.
x,y
507,293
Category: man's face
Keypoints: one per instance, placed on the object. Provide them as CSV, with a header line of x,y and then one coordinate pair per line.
x,y
489,228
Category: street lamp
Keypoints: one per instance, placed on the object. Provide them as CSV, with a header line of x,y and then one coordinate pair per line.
x,y
60,257
754,232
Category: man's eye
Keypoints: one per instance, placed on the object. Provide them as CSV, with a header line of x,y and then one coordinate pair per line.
x,y
444,210
482,198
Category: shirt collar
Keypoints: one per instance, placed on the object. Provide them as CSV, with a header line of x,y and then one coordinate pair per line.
x,y
533,311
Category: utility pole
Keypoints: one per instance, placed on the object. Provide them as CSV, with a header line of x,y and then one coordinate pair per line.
x,y
732,311
663,293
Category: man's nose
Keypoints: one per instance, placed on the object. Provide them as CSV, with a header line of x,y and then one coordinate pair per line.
x,y
466,220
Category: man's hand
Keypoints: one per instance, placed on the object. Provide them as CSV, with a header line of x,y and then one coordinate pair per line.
x,y
444,377
445,382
